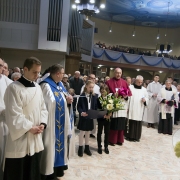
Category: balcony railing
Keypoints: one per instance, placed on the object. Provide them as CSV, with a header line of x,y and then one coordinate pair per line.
x,y
140,60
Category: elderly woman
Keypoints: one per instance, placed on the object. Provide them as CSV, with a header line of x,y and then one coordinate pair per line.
x,y
15,76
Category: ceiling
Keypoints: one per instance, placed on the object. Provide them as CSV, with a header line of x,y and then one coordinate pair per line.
x,y
143,13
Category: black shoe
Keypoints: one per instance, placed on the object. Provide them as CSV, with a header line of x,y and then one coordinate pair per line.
x,y
138,140
106,150
111,144
100,150
92,136
80,151
176,123
118,143
87,151
152,125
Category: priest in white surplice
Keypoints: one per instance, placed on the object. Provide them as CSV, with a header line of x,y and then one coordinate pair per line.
x,y
4,83
138,101
26,118
168,100
152,109
58,138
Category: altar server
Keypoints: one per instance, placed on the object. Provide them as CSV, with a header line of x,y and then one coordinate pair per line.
x,y
4,82
168,100
26,118
152,108
138,101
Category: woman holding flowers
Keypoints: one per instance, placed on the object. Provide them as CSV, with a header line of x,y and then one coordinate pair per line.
x,y
119,88
87,100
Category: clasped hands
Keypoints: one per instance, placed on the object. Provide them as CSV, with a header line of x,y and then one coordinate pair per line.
x,y
37,129
69,99
84,114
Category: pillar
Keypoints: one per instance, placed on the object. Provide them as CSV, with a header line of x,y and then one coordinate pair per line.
x,y
72,63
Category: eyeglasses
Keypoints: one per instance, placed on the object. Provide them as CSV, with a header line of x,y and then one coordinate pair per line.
x,y
92,78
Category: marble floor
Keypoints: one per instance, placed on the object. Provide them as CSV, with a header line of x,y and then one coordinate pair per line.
x,y
152,158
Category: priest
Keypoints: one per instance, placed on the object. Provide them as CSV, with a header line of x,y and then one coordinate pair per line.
x,y
168,100
4,82
138,101
118,87
26,118
153,89
59,135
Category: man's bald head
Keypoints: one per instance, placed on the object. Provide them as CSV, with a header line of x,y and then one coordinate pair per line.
x,y
118,73
1,66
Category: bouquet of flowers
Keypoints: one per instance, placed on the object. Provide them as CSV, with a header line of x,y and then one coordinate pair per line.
x,y
111,104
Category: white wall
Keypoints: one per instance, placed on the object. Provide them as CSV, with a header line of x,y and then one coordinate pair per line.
x,y
34,36
15,57
18,35
145,36
43,24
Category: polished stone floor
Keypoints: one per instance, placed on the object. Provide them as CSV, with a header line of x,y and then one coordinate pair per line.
x,y
152,158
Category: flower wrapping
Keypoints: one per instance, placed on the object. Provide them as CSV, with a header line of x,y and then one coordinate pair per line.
x,y
123,91
111,103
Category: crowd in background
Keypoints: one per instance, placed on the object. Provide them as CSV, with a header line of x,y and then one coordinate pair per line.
x,y
16,72
58,98
132,50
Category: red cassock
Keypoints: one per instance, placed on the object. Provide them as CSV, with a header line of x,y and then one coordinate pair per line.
x,y
118,124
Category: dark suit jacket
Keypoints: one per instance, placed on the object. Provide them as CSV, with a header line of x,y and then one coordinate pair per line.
x,y
82,105
86,124
76,85
99,106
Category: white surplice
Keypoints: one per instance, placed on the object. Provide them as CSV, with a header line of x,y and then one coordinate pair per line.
x,y
136,106
4,83
163,107
48,155
152,108
25,108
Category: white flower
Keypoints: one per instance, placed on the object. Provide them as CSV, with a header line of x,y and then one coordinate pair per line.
x,y
111,101
109,107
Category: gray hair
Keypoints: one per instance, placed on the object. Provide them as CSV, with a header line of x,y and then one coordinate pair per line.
x,y
77,72
16,74
139,77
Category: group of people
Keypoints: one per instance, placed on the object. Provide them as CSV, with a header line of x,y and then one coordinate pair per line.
x,y
135,51
37,128
37,117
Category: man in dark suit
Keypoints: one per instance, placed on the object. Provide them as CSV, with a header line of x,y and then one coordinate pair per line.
x,y
76,83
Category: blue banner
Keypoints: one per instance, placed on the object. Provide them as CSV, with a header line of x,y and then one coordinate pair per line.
x,y
134,58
